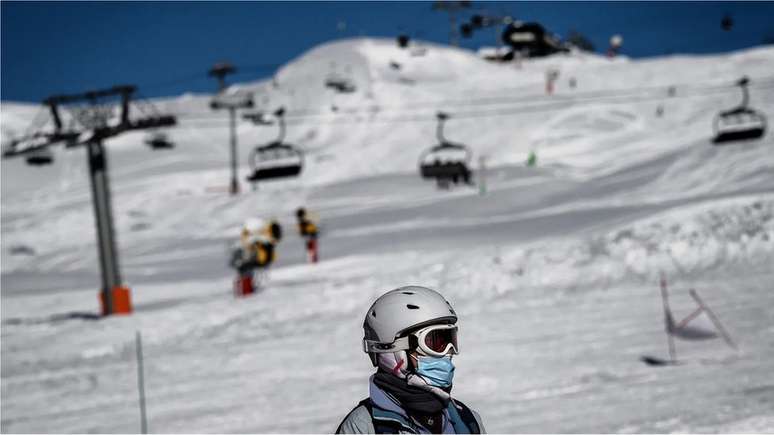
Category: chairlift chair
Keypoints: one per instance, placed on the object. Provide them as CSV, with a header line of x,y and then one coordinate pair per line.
x,y
258,118
34,148
727,23
159,141
446,161
418,50
276,159
40,157
340,84
741,122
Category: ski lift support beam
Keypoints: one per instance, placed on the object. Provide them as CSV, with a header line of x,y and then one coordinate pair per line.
x,y
221,101
280,115
667,314
98,171
442,117
742,83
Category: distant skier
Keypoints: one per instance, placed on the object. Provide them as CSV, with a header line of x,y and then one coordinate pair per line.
x,y
410,336
275,230
308,230
254,254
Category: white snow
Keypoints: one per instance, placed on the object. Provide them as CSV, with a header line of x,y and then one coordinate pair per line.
x,y
554,271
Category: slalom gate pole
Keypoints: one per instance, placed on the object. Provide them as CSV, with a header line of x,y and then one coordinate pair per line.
x,y
141,383
688,318
667,313
714,319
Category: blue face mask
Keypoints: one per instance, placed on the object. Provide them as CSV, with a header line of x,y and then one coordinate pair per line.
x,y
436,371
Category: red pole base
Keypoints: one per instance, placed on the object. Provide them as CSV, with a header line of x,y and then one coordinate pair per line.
x,y
234,188
122,301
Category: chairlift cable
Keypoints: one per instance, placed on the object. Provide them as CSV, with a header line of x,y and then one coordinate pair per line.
x,y
507,100
428,117
296,117
476,101
38,122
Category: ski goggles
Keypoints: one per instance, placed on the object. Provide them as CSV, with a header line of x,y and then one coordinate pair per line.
x,y
433,340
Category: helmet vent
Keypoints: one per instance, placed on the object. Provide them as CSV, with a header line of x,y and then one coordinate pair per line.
x,y
373,313
412,307
408,293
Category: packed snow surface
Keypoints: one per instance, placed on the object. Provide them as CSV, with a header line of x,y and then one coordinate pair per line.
x,y
553,269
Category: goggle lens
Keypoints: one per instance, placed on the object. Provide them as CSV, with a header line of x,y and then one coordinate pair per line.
x,y
439,339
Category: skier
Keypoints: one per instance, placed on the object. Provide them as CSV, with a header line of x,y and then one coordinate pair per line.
x,y
308,230
410,336
275,230
253,255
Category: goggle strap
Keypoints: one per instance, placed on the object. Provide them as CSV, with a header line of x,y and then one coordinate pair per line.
x,y
401,343
405,343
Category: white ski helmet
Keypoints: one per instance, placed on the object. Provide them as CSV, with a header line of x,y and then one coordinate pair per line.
x,y
252,230
396,313
254,225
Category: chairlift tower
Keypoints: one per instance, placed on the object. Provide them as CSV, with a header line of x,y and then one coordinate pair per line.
x,y
484,20
232,103
98,124
452,8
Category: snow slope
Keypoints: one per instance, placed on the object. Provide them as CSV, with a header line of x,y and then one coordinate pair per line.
x,y
554,271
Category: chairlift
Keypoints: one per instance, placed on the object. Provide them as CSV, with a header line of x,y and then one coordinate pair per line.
x,y
340,84
727,23
418,50
466,30
34,147
159,141
447,161
258,118
276,159
40,157
741,122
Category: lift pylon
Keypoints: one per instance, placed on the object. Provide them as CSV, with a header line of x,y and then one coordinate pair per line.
x,y
97,124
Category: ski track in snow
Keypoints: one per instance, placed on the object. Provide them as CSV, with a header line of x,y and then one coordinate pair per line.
x,y
554,271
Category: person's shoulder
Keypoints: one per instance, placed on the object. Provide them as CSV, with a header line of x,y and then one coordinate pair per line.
x,y
357,421
472,412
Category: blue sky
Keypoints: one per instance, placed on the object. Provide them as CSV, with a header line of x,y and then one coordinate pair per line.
x,y
166,47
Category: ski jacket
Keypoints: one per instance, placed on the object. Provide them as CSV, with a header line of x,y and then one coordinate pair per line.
x,y
255,255
307,228
380,413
